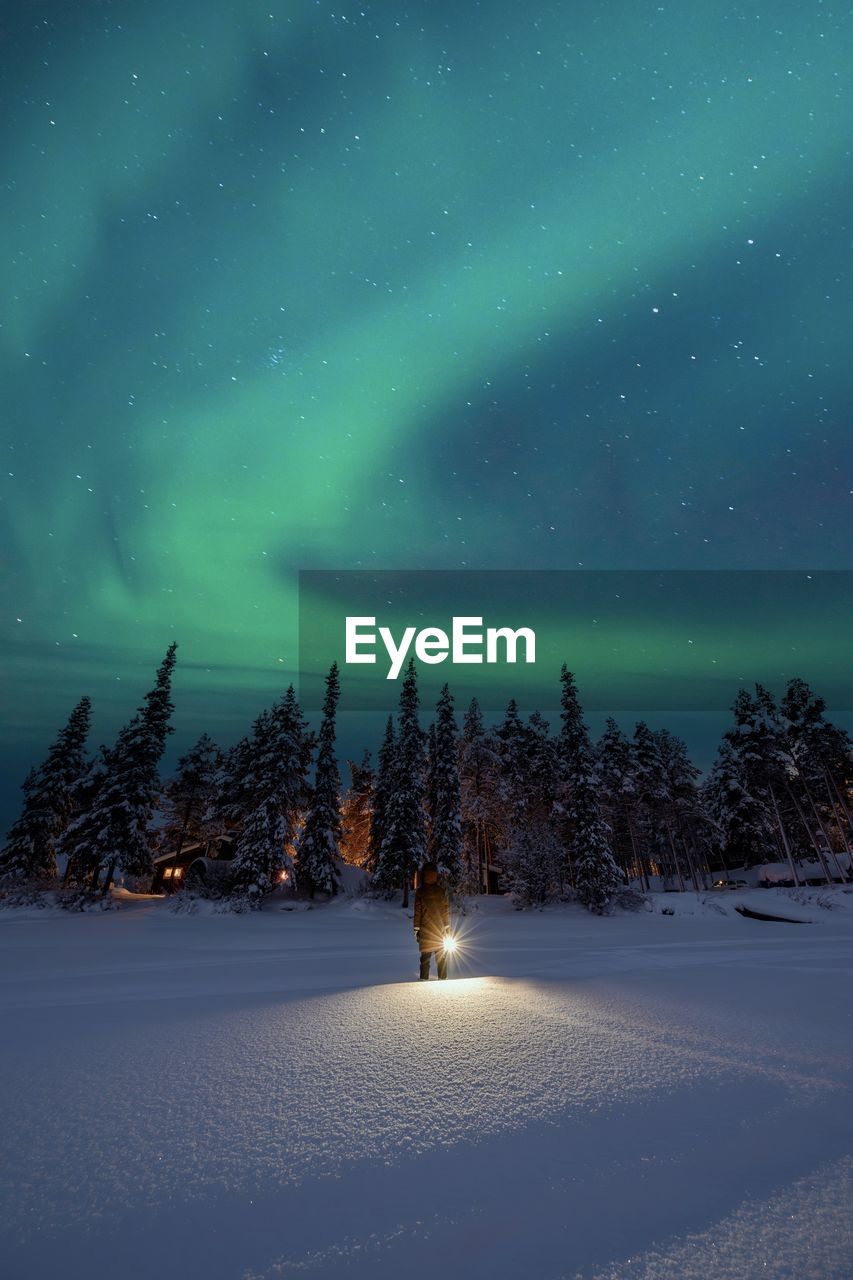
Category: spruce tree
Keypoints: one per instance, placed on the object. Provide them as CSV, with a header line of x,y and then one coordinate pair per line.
x,y
596,875
524,799
78,844
813,744
617,780
383,787
297,743
818,757
743,820
115,828
540,765
230,799
790,775
651,799
135,785
319,847
28,852
682,811
260,855
49,802
478,769
404,842
511,746
746,783
429,782
445,829
270,794
532,858
188,795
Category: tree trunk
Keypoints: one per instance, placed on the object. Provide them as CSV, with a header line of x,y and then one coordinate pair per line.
x,y
814,843
482,882
848,873
841,799
690,867
700,859
638,861
675,858
783,837
487,851
108,879
824,833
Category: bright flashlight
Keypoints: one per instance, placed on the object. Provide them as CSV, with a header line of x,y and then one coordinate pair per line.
x,y
449,943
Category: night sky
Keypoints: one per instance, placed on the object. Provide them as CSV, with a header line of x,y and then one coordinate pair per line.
x,y
425,285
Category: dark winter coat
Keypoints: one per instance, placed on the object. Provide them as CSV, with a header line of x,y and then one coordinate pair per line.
x,y
432,916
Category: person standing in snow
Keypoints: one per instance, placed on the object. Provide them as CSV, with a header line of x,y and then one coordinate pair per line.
x,y
432,921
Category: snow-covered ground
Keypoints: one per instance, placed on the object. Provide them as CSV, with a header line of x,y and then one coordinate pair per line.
x,y
646,1095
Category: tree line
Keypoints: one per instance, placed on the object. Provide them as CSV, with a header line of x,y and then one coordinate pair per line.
x,y
553,814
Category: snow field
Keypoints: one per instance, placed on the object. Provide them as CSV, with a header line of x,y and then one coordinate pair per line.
x,y
261,1096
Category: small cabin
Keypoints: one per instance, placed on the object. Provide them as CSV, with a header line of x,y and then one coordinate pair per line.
x,y
198,860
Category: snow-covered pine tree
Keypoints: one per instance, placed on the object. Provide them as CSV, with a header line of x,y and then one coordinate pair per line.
x,y
297,745
271,793
261,860
49,798
404,843
429,781
532,859
383,787
760,738
358,813
78,844
478,767
587,839
445,827
524,798
819,756
744,823
787,774
618,798
248,784
540,768
115,829
230,800
512,790
682,812
319,846
28,851
651,800
188,795
743,790
814,745
597,877
135,781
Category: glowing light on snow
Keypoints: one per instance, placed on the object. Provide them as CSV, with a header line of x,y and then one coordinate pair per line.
x,y
454,988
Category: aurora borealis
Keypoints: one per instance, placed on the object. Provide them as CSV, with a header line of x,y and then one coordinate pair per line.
x,y
425,285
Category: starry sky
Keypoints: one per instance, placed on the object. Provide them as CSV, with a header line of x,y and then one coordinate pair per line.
x,y
424,285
